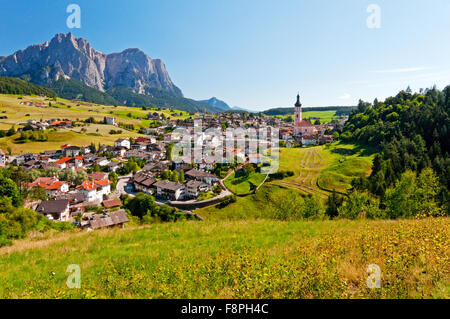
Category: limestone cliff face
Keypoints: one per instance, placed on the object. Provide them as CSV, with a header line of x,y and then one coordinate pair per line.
x,y
70,57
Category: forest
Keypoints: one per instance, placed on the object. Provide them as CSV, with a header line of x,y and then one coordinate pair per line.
x,y
411,133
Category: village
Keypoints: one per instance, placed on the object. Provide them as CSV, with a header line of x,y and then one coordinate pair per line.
x,y
144,164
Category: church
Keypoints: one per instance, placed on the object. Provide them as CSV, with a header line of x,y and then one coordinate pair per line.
x,y
301,127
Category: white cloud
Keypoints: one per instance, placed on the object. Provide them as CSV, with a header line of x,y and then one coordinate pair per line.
x,y
404,70
345,96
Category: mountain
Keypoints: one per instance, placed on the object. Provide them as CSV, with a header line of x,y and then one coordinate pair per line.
x,y
237,108
224,107
218,104
119,95
68,57
74,70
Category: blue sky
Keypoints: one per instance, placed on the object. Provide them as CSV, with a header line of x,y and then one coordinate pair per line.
x,y
259,53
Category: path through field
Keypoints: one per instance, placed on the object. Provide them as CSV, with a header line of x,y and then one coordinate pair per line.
x,y
310,162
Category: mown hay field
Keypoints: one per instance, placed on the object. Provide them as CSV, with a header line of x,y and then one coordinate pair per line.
x,y
236,259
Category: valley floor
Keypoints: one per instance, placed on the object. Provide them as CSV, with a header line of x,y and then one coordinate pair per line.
x,y
236,259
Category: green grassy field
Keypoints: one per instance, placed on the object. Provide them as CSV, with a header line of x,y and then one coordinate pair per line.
x,y
17,113
318,170
95,133
347,161
235,259
242,185
324,116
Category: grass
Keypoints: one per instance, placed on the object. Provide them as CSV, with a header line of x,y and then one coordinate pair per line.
x,y
236,259
324,116
252,206
66,136
348,161
242,185
17,113
318,170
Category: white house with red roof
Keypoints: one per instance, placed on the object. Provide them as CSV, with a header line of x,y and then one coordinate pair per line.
x,y
52,185
95,190
70,162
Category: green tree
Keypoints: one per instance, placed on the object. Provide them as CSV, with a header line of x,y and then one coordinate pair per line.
x,y
182,178
9,189
333,203
400,200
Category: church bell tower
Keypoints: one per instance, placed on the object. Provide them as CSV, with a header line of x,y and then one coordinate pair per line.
x,y
297,115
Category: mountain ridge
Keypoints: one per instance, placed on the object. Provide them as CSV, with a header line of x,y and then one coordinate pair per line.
x,y
65,56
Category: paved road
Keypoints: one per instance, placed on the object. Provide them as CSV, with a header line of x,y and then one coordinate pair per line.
x,y
120,187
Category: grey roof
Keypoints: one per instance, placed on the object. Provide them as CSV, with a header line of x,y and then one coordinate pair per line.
x,y
111,219
168,185
198,173
53,206
194,184
144,178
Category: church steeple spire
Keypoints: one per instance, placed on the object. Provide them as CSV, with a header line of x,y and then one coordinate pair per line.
x,y
298,104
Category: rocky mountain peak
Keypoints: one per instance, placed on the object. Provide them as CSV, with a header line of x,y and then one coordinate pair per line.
x,y
70,57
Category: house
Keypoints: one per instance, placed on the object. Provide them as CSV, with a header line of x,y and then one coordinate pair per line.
x,y
63,124
102,161
98,176
70,162
324,139
169,190
193,188
119,151
112,203
208,178
114,166
95,190
52,185
110,219
53,154
2,158
72,151
305,127
33,164
122,142
56,188
76,202
110,120
308,140
143,182
25,158
156,168
55,209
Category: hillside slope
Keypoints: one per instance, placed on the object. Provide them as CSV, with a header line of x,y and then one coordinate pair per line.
x,y
236,259
17,86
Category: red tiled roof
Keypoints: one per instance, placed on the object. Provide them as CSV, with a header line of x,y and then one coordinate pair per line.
x,y
55,185
112,203
305,123
63,160
90,185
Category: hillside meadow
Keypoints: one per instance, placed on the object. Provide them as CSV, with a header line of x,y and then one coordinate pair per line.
x,y
18,114
236,259
321,169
